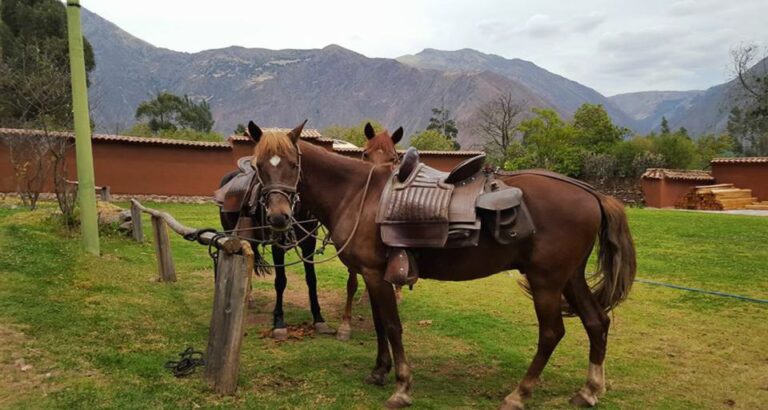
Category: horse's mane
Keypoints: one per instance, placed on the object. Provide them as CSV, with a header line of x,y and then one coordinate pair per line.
x,y
273,143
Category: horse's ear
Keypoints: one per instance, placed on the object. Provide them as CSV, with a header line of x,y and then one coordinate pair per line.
x,y
397,136
296,132
369,132
254,131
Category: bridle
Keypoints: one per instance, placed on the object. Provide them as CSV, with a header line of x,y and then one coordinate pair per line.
x,y
290,192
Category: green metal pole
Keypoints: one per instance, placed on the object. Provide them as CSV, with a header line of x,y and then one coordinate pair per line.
x,y
86,192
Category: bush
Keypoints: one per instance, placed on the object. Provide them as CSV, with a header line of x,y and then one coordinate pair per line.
x,y
432,140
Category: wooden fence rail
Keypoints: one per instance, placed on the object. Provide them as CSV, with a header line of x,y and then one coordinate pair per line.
x,y
230,304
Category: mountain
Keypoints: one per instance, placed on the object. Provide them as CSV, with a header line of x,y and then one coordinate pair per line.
x,y
648,107
329,86
565,94
700,112
336,86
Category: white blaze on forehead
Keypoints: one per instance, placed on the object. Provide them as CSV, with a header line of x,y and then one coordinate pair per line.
x,y
275,160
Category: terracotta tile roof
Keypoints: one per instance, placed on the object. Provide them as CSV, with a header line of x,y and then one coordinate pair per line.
x,y
680,174
424,152
741,160
119,138
305,133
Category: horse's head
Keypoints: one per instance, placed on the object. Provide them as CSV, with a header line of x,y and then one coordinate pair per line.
x,y
380,148
277,160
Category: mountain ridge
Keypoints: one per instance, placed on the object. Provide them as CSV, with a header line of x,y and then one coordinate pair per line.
x,y
337,86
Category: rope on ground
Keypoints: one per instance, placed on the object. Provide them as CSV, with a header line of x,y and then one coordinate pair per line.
x,y
708,292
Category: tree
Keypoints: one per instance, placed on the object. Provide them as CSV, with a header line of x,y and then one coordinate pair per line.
x,y
678,150
35,92
664,126
548,142
167,113
748,119
240,129
496,122
354,135
597,133
34,64
442,122
432,140
711,146
196,115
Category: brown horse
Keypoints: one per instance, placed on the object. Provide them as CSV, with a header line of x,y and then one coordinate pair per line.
x,y
379,150
569,219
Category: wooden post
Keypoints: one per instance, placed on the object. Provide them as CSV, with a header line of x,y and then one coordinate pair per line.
x,y
138,232
165,267
225,337
105,193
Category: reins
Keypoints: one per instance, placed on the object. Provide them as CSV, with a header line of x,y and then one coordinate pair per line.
x,y
357,221
310,233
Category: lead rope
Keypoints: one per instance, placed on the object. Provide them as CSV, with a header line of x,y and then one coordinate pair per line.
x,y
354,228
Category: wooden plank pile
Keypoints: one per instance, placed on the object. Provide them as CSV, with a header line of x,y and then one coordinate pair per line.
x,y
721,197
759,206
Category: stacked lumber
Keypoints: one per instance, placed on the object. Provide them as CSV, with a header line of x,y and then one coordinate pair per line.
x,y
721,197
758,206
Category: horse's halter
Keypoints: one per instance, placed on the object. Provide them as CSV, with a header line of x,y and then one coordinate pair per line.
x,y
290,192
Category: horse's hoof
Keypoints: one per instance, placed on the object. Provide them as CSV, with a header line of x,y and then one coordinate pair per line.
x,y
398,400
344,332
323,329
280,334
377,379
511,404
584,399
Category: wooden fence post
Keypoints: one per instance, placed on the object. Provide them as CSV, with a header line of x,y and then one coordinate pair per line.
x,y
165,267
138,232
225,337
105,193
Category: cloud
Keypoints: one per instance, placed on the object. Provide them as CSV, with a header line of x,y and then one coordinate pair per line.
x,y
540,25
589,22
537,26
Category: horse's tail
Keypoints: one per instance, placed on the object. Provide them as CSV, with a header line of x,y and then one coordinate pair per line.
x,y
616,259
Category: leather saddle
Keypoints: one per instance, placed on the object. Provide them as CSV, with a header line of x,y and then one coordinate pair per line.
x,y
422,207
232,196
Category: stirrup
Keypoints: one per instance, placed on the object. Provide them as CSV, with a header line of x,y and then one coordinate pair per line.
x,y
401,268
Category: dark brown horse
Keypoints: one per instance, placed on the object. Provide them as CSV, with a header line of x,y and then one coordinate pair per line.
x,y
569,220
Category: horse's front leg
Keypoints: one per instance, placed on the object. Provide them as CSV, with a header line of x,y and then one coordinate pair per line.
x,y
345,329
308,253
383,299
279,331
383,365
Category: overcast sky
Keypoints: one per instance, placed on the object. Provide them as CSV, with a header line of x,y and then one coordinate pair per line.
x,y
610,45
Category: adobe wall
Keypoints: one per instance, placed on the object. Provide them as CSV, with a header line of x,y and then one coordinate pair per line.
x,y
752,176
663,193
184,170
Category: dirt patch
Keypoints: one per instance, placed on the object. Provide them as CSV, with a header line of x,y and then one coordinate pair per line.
x,y
296,297
24,371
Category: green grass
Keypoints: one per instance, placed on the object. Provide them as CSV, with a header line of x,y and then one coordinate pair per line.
x,y
97,331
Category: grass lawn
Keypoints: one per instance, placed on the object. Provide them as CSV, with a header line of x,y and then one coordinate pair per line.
x,y
86,332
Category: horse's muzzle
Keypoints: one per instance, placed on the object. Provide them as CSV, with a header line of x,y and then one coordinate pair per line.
x,y
279,222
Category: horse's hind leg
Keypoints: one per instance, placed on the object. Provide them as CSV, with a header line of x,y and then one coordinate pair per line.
x,y
596,323
308,253
345,329
546,300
